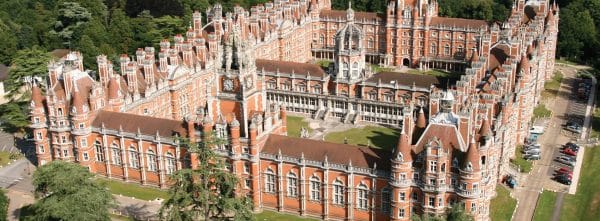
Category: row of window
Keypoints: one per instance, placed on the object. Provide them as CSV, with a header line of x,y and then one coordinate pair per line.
x,y
116,158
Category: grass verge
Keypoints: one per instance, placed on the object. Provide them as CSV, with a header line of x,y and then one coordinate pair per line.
x,y
378,137
134,190
503,206
436,73
295,124
541,111
274,216
525,165
377,68
585,204
545,206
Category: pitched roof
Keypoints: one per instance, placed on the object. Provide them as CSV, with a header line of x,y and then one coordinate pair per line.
x,y
132,122
446,133
457,22
336,153
423,81
289,67
357,15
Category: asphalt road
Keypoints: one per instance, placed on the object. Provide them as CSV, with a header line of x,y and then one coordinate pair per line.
x,y
530,186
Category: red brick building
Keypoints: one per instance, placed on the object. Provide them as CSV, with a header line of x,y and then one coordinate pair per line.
x,y
241,74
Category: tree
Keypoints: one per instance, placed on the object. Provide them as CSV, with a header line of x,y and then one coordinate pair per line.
x,y
67,191
27,63
3,205
14,116
71,19
457,213
207,191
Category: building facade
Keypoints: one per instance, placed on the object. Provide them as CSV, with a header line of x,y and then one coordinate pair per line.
x,y
241,74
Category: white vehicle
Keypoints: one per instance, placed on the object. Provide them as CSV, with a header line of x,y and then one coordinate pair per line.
x,y
532,151
536,130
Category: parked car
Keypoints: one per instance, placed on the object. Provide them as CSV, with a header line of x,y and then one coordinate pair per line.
x,y
566,160
532,151
570,152
563,179
531,156
564,170
572,146
576,128
531,148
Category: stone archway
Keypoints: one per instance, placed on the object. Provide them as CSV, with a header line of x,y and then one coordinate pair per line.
x,y
406,62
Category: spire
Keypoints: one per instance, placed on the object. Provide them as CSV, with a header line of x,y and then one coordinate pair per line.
x,y
403,150
77,100
113,88
485,130
472,156
36,96
421,121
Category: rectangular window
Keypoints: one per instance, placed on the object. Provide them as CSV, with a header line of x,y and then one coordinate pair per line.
x,y
473,207
416,177
248,183
315,190
86,157
338,194
83,142
292,186
415,196
38,136
401,213
65,153
432,181
246,168
270,183
431,201
246,149
36,120
440,202
63,139
362,198
41,148
81,125
385,201
432,166
402,196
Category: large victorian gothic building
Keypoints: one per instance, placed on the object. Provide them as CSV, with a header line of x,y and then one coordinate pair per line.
x,y
240,74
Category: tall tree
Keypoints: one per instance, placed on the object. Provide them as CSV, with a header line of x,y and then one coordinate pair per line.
x,y
27,64
71,19
3,205
206,192
457,213
67,191
14,116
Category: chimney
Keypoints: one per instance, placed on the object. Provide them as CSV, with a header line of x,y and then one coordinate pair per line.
x,y
130,72
162,59
165,44
197,20
188,57
102,69
149,71
124,60
140,54
173,57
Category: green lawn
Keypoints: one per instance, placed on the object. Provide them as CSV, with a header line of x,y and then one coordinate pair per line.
x,y
503,206
4,158
585,204
379,137
552,86
525,165
541,111
115,217
294,124
545,206
437,73
274,216
134,190
377,68
560,61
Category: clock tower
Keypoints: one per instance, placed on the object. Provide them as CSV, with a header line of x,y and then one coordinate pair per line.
x,y
240,92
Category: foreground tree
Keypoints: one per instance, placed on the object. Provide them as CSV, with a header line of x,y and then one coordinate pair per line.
x,y
68,191
3,205
206,192
27,64
454,213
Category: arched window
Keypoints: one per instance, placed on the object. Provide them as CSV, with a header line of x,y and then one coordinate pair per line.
x,y
447,49
151,158
407,12
292,185
116,154
338,192
99,151
315,188
269,181
355,69
370,43
321,39
433,49
362,197
385,200
170,163
345,70
134,158
443,168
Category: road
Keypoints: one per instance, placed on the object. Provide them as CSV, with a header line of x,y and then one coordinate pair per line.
x,y
530,186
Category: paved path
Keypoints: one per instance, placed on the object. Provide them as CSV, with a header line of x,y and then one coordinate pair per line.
x,y
557,205
530,186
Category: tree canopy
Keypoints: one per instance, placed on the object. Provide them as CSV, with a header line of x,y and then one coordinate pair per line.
x,y
67,191
208,191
